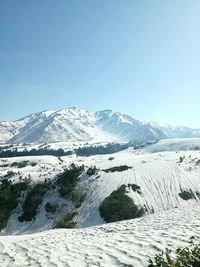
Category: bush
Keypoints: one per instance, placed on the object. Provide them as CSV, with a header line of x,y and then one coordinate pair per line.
x,y
20,164
184,257
198,194
9,194
187,194
33,164
118,169
65,224
181,159
50,208
78,195
68,180
92,171
33,200
118,206
135,188
9,174
67,221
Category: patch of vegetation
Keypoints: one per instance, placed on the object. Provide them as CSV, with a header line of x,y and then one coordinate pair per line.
x,y
9,174
195,147
9,194
118,169
78,195
118,206
20,164
101,150
184,257
187,194
50,208
33,200
67,221
92,171
34,152
181,159
198,162
68,180
2,148
4,165
135,188
198,194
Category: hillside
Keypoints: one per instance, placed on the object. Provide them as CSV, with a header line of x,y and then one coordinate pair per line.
x,y
160,188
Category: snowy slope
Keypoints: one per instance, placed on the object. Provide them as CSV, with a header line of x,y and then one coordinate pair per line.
x,y
160,176
64,125
74,124
128,128
127,243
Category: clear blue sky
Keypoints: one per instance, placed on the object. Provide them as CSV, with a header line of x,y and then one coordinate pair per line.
x,y
139,57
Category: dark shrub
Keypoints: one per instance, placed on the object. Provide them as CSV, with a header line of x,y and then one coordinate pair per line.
x,y
49,207
187,194
181,159
68,180
33,200
20,164
10,174
9,194
118,169
67,222
78,195
118,206
92,171
135,188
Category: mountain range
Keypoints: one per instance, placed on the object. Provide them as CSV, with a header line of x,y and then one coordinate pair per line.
x,y
74,124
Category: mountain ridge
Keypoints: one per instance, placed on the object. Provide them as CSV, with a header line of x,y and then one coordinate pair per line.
x,y
75,124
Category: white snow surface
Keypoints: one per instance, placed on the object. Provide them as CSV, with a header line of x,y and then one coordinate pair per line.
x,y
176,144
127,243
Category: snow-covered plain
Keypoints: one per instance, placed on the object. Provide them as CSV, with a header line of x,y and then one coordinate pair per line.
x,y
180,144
127,243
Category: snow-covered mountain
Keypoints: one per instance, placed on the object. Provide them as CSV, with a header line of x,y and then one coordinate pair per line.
x,y
74,124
